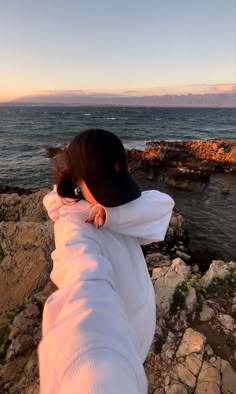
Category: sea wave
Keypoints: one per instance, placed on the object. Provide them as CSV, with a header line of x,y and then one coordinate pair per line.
x,y
136,144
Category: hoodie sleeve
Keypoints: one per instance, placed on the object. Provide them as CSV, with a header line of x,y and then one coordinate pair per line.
x,y
146,218
87,343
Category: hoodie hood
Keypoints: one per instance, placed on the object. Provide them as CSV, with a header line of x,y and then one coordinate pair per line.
x,y
146,218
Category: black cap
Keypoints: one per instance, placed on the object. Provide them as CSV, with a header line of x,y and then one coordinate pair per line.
x,y
98,157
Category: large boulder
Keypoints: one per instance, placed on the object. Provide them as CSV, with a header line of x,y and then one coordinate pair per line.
x,y
228,377
25,260
165,280
217,270
176,232
177,229
28,208
192,342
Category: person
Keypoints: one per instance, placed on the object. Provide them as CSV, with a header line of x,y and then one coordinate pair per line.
x,y
98,326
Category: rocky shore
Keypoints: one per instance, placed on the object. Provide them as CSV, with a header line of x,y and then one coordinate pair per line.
x,y
183,164
194,349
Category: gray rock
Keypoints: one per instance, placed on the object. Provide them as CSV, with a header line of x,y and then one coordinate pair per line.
x,y
21,345
192,342
176,388
227,321
183,318
25,321
158,273
169,347
182,255
209,374
166,279
28,208
191,300
42,295
209,350
21,325
32,389
167,380
228,377
185,376
27,260
195,269
207,388
157,260
31,367
193,363
159,331
213,361
232,265
32,311
159,391
206,313
217,270
176,230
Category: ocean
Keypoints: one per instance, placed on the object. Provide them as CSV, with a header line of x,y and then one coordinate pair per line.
x,y
25,132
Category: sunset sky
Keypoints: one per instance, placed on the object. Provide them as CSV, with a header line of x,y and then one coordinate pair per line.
x,y
136,47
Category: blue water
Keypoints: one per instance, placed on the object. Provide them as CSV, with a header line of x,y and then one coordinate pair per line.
x,y
25,132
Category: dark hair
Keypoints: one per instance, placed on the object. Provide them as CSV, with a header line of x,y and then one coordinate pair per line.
x,y
63,177
97,157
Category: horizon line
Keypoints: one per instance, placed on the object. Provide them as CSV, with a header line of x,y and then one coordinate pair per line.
x,y
171,90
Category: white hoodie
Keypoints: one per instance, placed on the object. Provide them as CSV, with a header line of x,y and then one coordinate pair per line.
x,y
99,325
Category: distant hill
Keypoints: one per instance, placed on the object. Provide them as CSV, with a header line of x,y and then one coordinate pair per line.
x,y
80,99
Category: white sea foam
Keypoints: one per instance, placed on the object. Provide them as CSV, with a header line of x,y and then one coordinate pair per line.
x,y
137,144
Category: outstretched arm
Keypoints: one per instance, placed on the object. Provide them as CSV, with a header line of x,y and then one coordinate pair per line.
x,y
87,343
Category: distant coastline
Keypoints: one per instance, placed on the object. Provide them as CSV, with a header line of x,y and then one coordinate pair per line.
x,y
111,105
211,100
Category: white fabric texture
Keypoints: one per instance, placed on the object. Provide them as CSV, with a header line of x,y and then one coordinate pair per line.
x,y
99,325
107,378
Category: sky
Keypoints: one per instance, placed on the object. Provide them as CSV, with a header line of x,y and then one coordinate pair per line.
x,y
132,47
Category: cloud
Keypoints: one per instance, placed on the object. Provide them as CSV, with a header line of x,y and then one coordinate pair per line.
x,y
226,88
189,89
58,92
